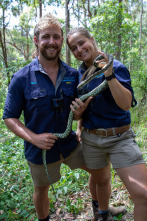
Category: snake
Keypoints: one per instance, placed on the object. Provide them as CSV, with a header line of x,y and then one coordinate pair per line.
x,y
92,93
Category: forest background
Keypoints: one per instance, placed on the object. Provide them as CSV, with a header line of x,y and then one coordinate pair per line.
x,y
120,28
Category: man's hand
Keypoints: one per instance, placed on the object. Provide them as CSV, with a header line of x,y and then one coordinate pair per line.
x,y
78,107
44,141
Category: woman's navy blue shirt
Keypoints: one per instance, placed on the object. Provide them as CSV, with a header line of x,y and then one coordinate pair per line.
x,y
103,112
46,107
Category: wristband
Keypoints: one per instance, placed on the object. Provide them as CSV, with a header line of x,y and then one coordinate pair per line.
x,y
110,77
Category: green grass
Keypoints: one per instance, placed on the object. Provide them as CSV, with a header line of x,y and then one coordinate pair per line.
x,y
71,191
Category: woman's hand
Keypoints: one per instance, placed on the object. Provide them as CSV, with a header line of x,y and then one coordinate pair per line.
x,y
78,107
78,135
103,62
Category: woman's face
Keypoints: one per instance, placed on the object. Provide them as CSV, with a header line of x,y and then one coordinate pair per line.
x,y
82,48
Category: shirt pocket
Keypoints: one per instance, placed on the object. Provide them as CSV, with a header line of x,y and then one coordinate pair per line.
x,y
69,92
40,100
68,95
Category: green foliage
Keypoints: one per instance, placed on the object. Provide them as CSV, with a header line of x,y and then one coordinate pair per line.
x,y
139,82
13,176
138,116
16,187
105,27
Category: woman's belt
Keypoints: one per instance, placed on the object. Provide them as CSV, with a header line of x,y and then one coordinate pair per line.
x,y
108,132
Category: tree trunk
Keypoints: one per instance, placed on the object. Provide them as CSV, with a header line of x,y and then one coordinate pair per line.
x,y
140,34
118,52
130,64
67,27
3,45
28,48
98,3
40,8
89,12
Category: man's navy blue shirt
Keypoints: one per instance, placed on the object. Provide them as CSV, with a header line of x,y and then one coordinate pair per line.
x,y
33,93
103,112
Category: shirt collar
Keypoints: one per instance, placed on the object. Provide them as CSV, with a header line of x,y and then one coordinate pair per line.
x,y
83,66
41,68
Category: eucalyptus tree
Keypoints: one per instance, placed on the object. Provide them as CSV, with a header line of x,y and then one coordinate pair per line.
x,y
81,10
4,6
113,27
21,35
67,27
9,9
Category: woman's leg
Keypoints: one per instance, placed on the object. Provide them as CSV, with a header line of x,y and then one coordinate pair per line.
x,y
41,201
135,180
92,187
102,179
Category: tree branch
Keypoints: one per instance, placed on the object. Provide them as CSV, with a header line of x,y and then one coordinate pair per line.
x,y
15,46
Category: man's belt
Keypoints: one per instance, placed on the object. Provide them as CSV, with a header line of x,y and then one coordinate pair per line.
x,y
108,132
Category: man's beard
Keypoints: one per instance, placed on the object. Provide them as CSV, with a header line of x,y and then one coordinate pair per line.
x,y
47,56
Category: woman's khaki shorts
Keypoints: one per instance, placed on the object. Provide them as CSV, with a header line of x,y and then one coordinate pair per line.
x,y
122,150
74,160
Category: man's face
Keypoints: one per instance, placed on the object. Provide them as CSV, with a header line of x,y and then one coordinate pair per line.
x,y
50,42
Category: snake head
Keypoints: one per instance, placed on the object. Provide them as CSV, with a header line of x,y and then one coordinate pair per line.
x,y
100,57
97,59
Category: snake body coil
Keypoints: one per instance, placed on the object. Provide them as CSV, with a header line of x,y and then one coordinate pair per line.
x,y
93,93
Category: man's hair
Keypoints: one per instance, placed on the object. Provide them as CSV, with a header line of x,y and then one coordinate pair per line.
x,y
43,23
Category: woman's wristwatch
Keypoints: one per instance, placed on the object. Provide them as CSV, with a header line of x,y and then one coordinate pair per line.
x,y
110,77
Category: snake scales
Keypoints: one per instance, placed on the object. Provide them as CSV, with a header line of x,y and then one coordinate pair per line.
x,y
93,93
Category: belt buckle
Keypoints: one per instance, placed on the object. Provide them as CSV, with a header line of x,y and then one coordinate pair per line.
x,y
102,129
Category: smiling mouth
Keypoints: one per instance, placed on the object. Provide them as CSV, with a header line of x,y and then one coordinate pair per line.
x,y
51,49
83,54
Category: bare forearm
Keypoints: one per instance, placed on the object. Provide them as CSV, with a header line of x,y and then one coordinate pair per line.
x,y
18,128
79,126
79,130
121,95
77,117
43,141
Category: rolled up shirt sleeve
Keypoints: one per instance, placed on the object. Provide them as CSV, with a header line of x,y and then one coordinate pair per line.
x,y
14,103
123,76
